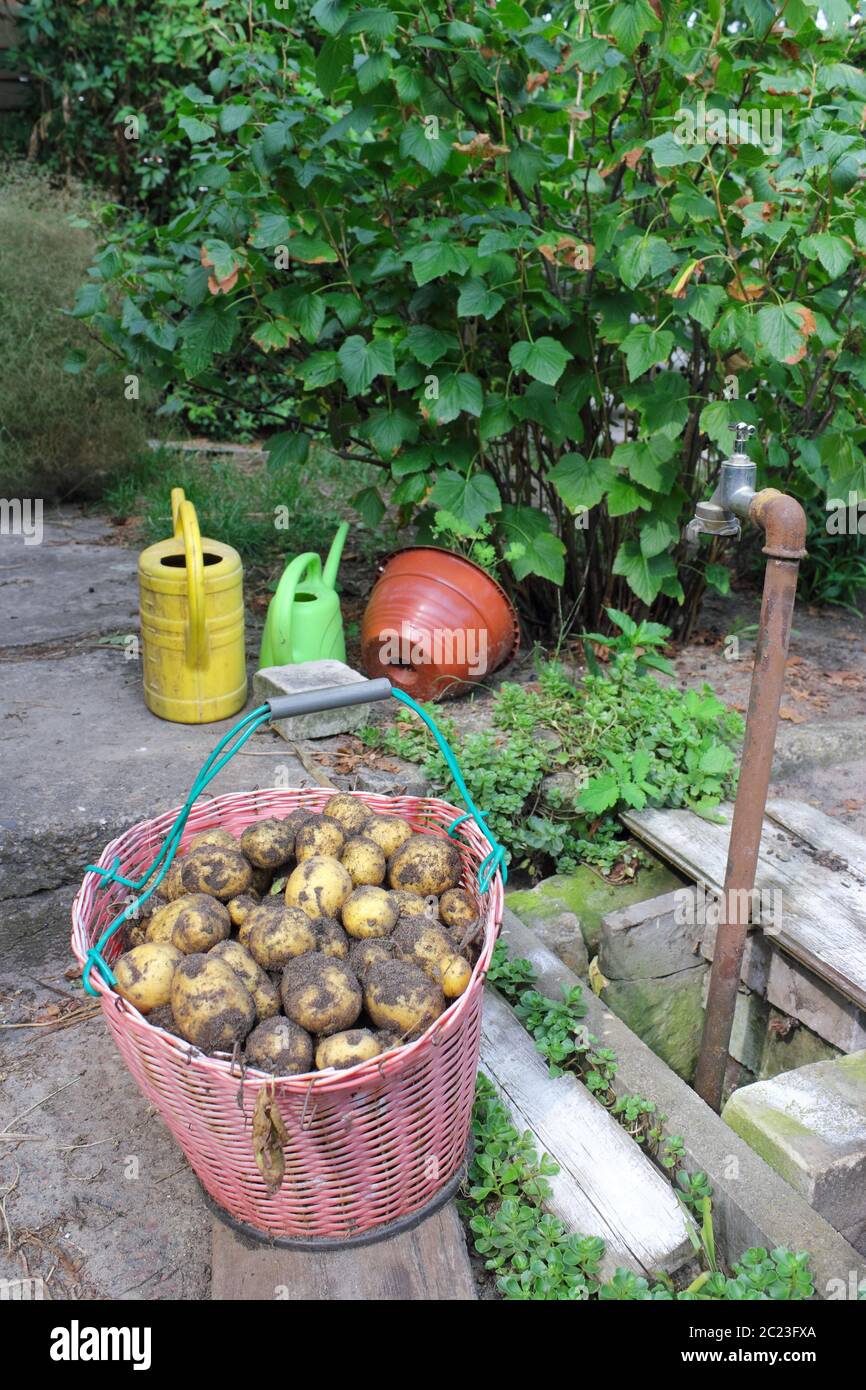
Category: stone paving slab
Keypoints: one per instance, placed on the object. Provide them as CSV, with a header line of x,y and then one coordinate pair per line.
x,y
86,759
71,585
810,1125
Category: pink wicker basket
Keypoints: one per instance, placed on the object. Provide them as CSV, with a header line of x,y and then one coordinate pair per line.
x,y
369,1146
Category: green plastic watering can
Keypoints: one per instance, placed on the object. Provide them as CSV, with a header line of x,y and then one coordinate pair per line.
x,y
304,621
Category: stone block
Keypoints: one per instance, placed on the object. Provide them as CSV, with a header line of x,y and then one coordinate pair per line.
x,y
810,1126
590,896
301,678
651,939
666,1014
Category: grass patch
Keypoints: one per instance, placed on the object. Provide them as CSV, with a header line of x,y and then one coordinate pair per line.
x,y
61,434
263,512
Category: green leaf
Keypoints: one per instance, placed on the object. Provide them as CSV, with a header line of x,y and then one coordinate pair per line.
x,y
599,794
335,57
361,361
630,22
368,503
834,254
389,430
318,370
470,498
436,258
457,393
623,498
312,250
377,24
427,344
195,129
535,548
475,299
373,71
780,331
270,229
330,15
644,575
719,578
718,416
90,299
208,330
641,256
644,347
545,359
581,483
233,117
668,151
657,533
416,143
287,447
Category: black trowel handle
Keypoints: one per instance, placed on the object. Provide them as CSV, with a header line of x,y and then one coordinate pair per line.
x,y
330,697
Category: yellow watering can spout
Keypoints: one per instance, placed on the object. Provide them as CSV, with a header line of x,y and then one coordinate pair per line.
x,y
332,564
185,523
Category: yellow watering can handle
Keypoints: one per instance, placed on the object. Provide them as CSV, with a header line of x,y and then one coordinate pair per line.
x,y
185,524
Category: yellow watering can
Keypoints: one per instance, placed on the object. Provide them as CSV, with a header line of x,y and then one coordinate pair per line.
x,y
192,623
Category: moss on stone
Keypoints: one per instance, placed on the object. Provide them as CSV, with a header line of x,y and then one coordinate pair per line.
x,y
590,897
667,1014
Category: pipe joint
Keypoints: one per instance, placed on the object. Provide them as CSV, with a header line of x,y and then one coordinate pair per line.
x,y
783,522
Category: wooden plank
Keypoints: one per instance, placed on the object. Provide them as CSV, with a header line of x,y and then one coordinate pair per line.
x,y
823,833
606,1185
822,916
427,1263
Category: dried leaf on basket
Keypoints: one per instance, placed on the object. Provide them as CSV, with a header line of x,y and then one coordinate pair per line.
x,y
269,1136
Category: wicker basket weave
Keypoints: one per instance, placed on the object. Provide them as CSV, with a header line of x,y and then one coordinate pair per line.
x,y
367,1146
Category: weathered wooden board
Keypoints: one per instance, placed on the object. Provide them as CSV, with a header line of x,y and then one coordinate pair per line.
x,y
606,1185
819,912
428,1263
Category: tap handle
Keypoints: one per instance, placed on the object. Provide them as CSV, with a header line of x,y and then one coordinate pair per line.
x,y
743,432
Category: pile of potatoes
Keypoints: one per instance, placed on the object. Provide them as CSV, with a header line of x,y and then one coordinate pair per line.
x,y
315,940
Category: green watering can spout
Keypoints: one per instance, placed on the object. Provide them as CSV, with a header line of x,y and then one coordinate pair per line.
x,y
304,622
332,564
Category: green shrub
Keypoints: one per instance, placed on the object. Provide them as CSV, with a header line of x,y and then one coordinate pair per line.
x,y
105,78
484,248
61,432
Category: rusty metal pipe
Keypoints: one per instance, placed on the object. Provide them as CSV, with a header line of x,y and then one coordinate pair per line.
x,y
784,524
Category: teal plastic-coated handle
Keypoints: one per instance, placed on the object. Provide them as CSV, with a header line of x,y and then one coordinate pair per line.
x,y
329,697
281,707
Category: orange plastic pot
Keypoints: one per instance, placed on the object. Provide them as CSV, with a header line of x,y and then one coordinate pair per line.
x,y
436,622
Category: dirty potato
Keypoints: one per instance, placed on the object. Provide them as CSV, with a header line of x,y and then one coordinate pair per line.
x,y
350,811
159,927
320,886
218,836
407,904
426,864
423,943
280,1047
319,835
347,1049
331,940
388,832
265,994
400,997
201,922
212,1007
368,911
364,860
241,907
369,952
222,873
144,975
457,908
172,885
277,933
268,843
320,994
